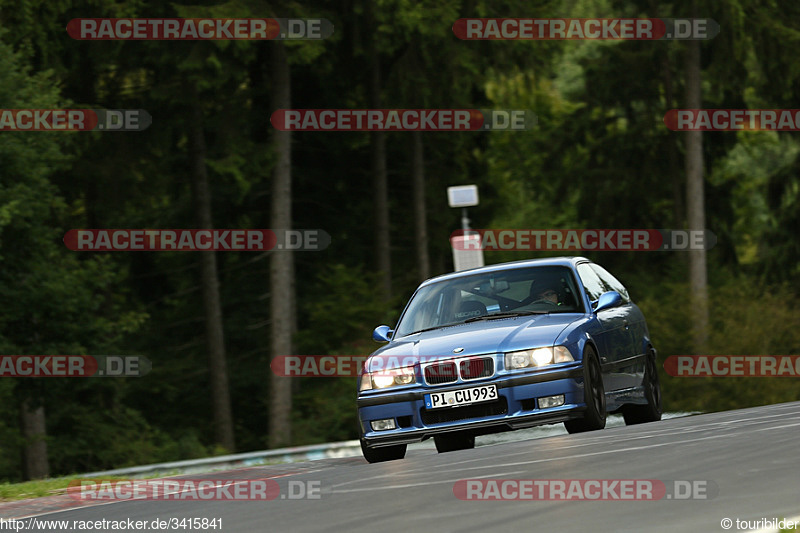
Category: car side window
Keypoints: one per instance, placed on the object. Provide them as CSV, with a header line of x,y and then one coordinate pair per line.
x,y
591,281
611,282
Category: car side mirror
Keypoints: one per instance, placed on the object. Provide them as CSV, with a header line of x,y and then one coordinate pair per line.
x,y
382,334
608,300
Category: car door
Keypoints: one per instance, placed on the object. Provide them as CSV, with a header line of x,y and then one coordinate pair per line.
x,y
612,334
629,371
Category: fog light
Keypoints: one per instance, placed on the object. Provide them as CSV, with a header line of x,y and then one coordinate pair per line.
x,y
388,423
551,401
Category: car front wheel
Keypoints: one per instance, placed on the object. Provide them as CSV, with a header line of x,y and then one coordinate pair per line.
x,y
594,395
383,453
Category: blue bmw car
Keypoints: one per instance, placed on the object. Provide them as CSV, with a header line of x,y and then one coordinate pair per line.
x,y
505,347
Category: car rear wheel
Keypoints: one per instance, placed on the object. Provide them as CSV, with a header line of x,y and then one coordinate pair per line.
x,y
639,414
384,453
594,395
454,441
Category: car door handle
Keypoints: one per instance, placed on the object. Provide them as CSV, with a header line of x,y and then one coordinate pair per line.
x,y
626,324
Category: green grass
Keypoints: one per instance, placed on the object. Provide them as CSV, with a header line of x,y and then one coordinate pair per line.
x,y
10,492
36,489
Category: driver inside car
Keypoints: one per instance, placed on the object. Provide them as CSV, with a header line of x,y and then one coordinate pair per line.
x,y
548,295
544,293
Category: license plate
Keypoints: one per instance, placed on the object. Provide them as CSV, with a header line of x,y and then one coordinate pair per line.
x,y
453,398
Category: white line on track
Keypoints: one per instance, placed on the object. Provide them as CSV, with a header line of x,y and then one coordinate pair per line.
x,y
444,468
423,483
613,438
549,459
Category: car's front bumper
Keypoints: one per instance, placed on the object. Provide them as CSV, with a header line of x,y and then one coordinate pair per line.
x,y
515,408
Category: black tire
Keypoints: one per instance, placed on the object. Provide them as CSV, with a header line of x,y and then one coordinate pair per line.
x,y
452,442
383,453
640,414
594,396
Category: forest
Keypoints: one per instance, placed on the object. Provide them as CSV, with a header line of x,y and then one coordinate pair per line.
x,y
599,156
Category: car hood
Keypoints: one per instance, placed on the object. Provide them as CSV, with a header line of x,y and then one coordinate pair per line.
x,y
481,337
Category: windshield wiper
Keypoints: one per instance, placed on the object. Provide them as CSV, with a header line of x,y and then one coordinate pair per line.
x,y
506,315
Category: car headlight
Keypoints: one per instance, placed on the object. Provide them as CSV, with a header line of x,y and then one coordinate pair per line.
x,y
384,379
537,357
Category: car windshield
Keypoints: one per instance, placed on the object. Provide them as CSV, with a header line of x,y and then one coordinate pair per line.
x,y
522,291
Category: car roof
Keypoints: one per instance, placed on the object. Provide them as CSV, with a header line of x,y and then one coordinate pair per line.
x,y
570,261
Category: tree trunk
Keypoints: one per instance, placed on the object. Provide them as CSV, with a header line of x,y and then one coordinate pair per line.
x,y
420,221
380,186
695,205
212,308
281,273
673,157
35,464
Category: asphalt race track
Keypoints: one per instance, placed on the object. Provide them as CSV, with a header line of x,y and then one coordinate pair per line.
x,y
748,460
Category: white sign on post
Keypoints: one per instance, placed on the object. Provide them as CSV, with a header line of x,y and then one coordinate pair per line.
x,y
462,196
467,251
